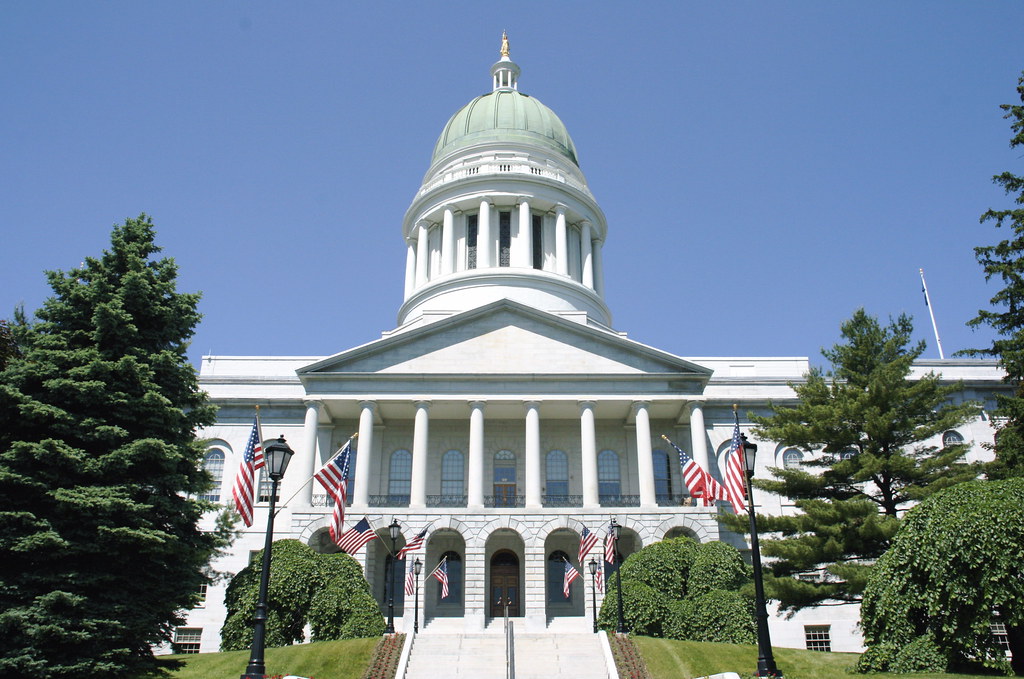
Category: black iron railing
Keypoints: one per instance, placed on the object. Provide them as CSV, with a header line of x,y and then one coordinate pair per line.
x,y
393,500
446,500
504,501
620,500
563,500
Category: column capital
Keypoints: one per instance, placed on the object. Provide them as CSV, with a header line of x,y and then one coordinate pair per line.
x,y
422,403
532,403
453,208
368,404
523,199
637,405
478,403
423,223
312,402
586,404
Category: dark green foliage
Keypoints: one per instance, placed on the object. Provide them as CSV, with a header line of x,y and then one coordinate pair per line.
x,y
326,590
675,589
954,567
1004,261
867,406
99,545
717,615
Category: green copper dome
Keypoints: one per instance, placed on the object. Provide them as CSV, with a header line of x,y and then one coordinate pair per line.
x,y
505,115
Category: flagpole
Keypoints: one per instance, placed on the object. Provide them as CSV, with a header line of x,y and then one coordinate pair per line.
x,y
306,482
931,312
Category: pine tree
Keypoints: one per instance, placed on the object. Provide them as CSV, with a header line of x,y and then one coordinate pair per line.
x,y
99,467
869,420
1005,261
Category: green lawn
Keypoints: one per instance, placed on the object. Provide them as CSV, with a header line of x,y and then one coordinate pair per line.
x,y
325,660
667,659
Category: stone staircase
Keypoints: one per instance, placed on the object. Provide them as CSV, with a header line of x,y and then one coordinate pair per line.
x,y
566,649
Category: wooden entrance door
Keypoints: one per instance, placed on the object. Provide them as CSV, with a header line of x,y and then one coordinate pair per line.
x,y
505,585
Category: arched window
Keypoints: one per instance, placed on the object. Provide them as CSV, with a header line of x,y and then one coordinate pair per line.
x,y
213,463
609,483
662,475
951,438
351,483
454,565
556,578
504,479
452,473
557,474
848,454
792,458
400,476
471,232
395,568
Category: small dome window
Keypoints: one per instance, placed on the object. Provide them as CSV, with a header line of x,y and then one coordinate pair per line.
x,y
951,438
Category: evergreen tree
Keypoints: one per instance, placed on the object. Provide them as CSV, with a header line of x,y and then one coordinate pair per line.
x,y
1005,261
99,467
870,420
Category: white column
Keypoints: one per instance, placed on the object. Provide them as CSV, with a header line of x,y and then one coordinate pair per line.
x,y
533,466
588,446
524,246
410,268
483,236
422,254
448,241
364,455
698,436
598,267
561,242
587,254
644,461
421,427
476,455
309,437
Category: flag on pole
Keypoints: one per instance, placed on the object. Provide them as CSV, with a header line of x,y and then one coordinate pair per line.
x,y
412,545
410,580
570,575
609,545
441,575
734,473
587,542
355,537
244,489
698,481
599,579
333,476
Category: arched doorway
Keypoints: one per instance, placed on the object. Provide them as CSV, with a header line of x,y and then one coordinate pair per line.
x,y
504,585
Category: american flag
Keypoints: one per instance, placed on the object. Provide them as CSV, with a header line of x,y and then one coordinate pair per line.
x,y
441,574
334,478
570,575
410,580
599,580
245,483
587,542
355,537
699,482
734,472
412,545
609,545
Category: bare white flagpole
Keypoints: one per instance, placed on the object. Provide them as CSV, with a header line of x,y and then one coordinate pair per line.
x,y
931,312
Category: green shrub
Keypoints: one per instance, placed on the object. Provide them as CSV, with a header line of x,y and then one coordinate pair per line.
x,y
663,566
645,610
719,616
920,655
716,565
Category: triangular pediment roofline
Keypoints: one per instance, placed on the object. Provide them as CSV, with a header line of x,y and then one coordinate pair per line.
x,y
354,360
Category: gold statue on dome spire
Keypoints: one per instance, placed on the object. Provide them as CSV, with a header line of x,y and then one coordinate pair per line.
x,y
504,44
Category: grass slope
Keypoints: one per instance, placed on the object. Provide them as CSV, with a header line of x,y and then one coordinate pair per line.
x,y
668,659
346,659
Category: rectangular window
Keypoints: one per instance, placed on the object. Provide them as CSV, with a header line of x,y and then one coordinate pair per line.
x,y
818,637
538,242
201,602
504,237
266,485
187,639
1000,637
471,241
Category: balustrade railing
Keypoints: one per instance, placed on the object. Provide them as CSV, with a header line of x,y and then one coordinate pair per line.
x,y
504,501
324,500
563,500
446,500
389,500
620,500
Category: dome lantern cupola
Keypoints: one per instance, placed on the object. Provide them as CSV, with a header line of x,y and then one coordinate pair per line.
x,y
505,72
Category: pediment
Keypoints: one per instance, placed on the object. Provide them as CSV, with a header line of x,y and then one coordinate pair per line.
x,y
505,338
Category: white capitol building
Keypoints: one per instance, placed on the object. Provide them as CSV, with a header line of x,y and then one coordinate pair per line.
x,y
504,411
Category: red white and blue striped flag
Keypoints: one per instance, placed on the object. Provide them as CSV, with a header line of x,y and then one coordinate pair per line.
x,y
333,476
570,575
609,545
441,575
410,580
587,542
734,472
698,481
599,579
355,537
244,489
412,545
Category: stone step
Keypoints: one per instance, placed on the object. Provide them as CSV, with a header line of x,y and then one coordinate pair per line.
x,y
466,656
551,656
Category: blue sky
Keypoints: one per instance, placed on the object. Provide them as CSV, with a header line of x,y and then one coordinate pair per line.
x,y
765,167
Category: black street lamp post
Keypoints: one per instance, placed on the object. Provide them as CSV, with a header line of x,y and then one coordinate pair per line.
x,y
765,659
617,531
417,568
276,457
394,529
592,564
